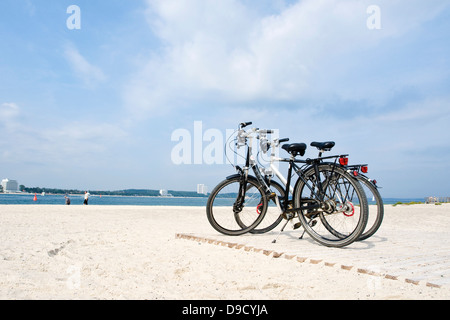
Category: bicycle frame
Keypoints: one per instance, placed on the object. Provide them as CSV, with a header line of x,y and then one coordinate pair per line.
x,y
311,163
299,171
246,138
250,162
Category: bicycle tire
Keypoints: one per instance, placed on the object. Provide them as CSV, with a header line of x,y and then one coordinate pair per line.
x,y
373,224
327,224
221,214
272,217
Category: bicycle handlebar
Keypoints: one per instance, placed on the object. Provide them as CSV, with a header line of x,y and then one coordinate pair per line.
x,y
264,143
244,124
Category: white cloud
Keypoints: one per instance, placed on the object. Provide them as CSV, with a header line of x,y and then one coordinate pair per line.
x,y
8,110
418,112
88,73
69,154
56,144
75,142
9,114
224,50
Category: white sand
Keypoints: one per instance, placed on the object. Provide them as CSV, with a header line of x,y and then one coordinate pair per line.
x,y
124,252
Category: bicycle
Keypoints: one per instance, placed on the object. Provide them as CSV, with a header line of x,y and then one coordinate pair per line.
x,y
272,221
369,186
323,196
245,195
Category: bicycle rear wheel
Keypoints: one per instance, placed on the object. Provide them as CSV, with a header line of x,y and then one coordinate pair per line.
x,y
273,216
337,217
225,208
375,205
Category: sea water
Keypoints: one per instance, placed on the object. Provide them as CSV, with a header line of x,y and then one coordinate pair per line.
x,y
58,199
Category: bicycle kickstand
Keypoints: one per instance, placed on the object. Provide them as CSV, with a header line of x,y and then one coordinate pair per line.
x,y
282,229
301,237
312,223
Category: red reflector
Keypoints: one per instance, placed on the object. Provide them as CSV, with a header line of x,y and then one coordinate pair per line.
x,y
343,161
355,173
364,169
258,208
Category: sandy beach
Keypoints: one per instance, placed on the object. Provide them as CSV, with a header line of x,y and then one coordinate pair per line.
x,y
132,252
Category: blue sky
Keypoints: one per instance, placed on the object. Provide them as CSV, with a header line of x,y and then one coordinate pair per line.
x,y
95,108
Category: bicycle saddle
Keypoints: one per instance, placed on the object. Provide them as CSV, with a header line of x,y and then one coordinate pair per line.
x,y
325,146
295,148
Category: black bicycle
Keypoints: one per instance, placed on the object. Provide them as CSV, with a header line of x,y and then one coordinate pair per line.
x,y
328,202
374,199
357,171
239,203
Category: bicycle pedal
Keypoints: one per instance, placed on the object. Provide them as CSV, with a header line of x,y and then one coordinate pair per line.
x,y
297,225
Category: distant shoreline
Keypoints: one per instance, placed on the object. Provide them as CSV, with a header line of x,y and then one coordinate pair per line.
x,y
98,195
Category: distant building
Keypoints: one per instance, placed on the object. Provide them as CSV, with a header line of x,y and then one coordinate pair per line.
x,y
164,193
202,189
10,185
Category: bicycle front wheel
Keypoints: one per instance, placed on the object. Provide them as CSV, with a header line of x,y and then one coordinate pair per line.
x,y
230,213
332,205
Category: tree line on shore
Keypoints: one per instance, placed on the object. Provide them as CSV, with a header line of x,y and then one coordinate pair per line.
x,y
126,192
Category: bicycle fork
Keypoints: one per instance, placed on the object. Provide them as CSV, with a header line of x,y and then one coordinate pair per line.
x,y
239,203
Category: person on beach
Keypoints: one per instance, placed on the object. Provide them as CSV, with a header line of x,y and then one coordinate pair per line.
x,y
67,199
86,197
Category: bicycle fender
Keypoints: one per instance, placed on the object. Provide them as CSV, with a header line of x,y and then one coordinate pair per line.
x,y
237,175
